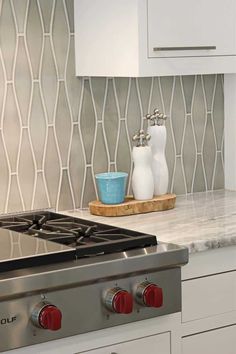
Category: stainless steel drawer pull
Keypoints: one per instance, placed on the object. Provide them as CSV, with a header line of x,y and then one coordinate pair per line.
x,y
206,47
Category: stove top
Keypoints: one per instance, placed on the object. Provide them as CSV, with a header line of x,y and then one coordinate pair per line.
x,y
55,237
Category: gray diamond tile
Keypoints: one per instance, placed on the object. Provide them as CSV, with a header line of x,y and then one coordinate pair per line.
x,y
70,13
218,112
98,87
20,9
166,84
23,81
26,170
14,201
77,166
11,128
188,86
46,7
122,85
7,30
89,190
4,177
178,115
65,196
63,124
52,175
60,36
111,121
34,36
178,178
209,84
199,113
100,153
40,199
49,80
145,84
199,184
37,125
134,114
156,101
209,151
189,154
219,173
87,121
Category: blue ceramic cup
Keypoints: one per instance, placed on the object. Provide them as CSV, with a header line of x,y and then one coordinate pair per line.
x,y
111,187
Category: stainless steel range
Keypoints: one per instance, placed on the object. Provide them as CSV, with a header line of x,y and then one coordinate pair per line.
x,y
61,276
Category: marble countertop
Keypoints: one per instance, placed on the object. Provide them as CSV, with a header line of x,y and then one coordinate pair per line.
x,y
200,221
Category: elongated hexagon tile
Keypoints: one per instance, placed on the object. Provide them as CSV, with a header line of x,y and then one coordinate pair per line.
x,y
4,176
52,167
122,85
11,128
73,83
166,85
60,36
22,80
209,87
2,86
87,121
77,166
209,151
170,151
199,113
89,190
20,10
111,121
15,202
49,80
123,164
98,85
178,178
70,13
41,200
34,36
65,196
145,84
178,115
46,7
219,173
7,30
100,152
63,123
188,87
218,112
26,170
156,100
189,153
37,125
199,184
134,114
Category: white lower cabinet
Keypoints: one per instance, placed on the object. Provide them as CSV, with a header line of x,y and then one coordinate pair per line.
x,y
213,342
156,344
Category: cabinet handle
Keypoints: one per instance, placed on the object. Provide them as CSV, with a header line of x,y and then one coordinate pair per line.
x,y
206,47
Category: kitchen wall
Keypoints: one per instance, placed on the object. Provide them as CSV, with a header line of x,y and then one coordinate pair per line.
x,y
57,131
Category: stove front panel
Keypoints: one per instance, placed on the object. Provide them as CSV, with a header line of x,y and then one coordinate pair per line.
x,y
83,308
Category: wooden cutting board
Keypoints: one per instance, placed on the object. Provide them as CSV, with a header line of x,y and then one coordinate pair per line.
x,y
132,206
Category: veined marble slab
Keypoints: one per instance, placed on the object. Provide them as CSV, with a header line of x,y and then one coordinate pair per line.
x,y
200,221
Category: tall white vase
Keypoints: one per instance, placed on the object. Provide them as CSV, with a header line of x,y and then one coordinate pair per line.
x,y
142,178
159,165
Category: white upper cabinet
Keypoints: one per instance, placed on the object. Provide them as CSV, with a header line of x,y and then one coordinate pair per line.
x,y
154,37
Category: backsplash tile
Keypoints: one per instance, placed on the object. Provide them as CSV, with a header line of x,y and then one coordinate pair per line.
x,y
57,131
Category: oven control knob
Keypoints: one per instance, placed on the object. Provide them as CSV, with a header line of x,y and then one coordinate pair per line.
x,y
47,316
118,300
149,294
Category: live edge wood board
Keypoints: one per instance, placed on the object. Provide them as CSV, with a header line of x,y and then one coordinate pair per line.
x,y
132,206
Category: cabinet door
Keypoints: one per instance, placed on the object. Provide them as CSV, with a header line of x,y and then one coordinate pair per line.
x,y
213,342
158,344
180,28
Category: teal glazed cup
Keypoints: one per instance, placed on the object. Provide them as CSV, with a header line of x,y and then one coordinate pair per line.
x,y
111,187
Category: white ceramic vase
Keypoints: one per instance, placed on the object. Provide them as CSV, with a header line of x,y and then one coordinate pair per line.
x,y
159,165
142,178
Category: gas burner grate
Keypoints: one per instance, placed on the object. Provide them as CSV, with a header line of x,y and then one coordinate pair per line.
x,y
86,237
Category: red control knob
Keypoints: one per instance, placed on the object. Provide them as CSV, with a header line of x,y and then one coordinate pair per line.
x,y
149,294
50,318
153,296
118,300
123,302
